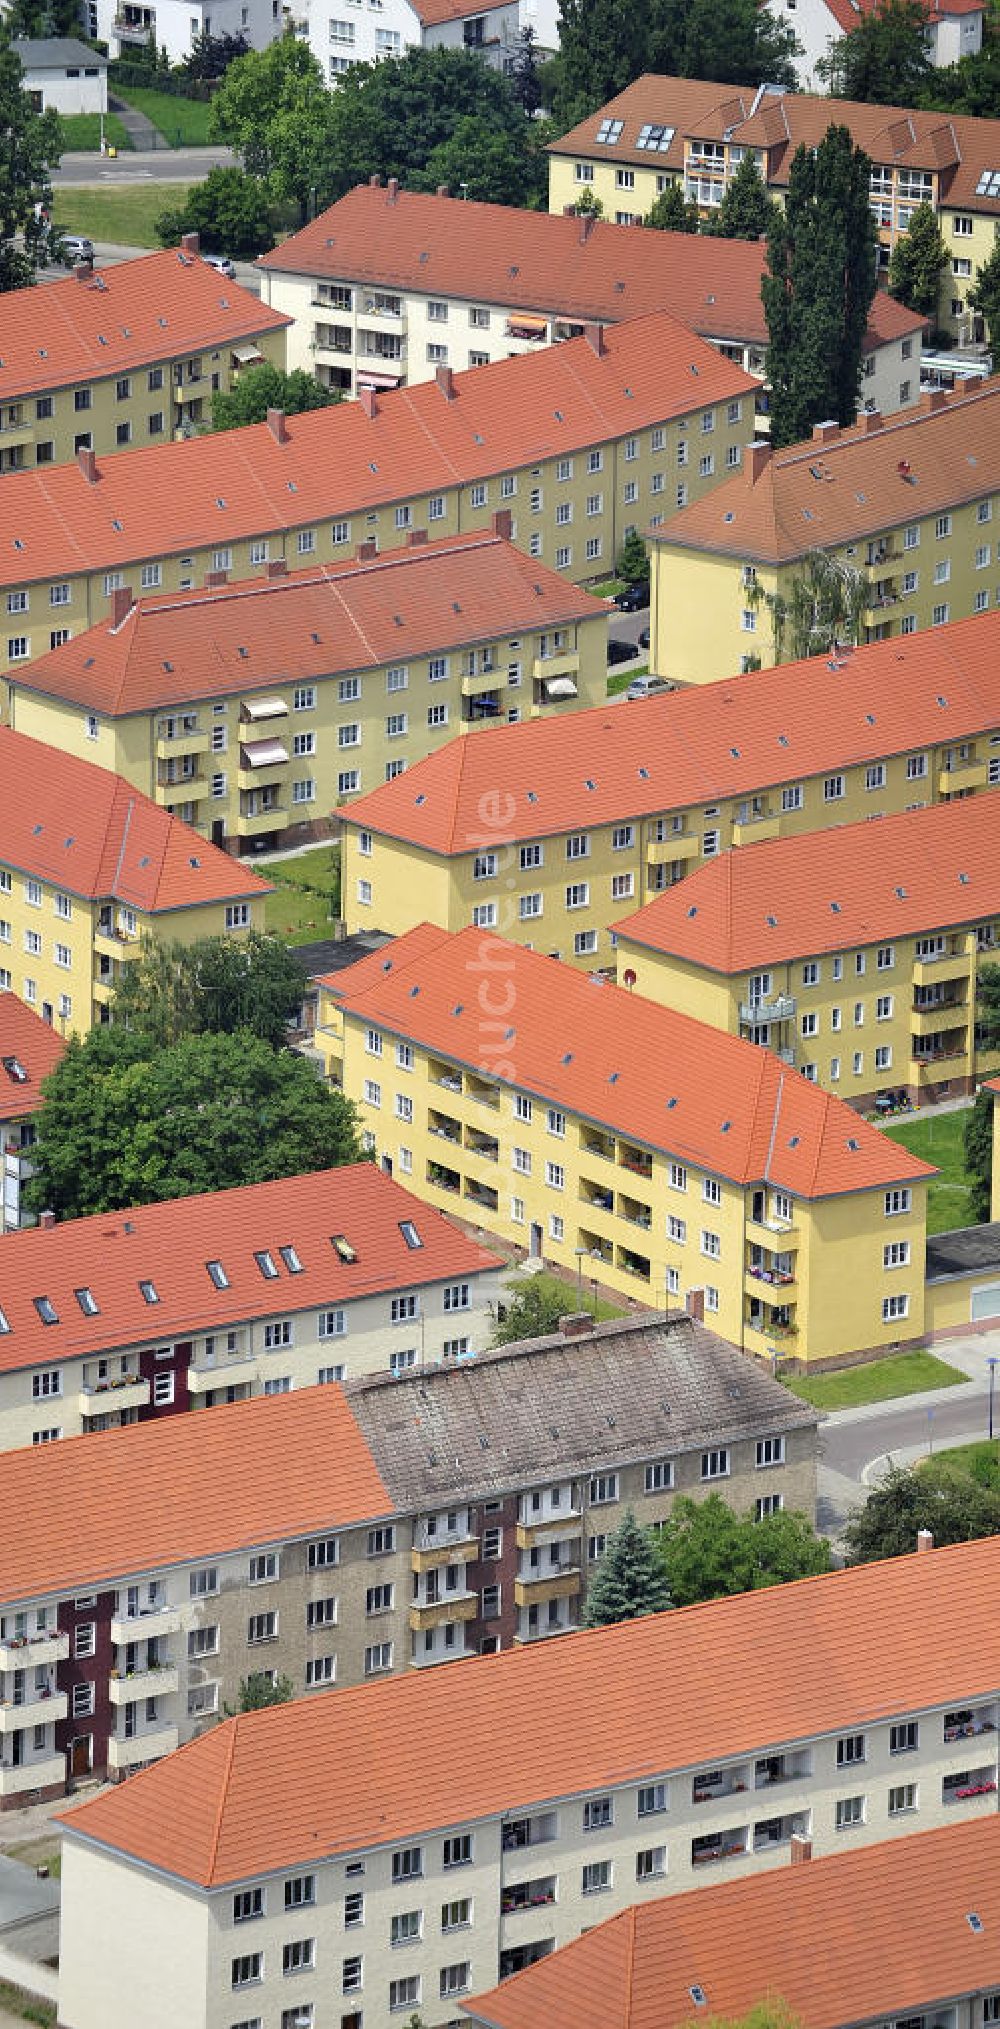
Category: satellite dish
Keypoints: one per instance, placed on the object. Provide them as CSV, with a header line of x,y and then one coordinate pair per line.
x,y
629,975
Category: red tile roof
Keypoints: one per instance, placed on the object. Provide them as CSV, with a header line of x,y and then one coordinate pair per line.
x,y
542,261
386,1762
780,121
855,884
697,746
873,478
309,625
64,820
161,307
883,1931
29,1050
78,1515
339,461
169,1244
664,1080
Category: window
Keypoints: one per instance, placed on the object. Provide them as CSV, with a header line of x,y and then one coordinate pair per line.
x,y
402,1309
650,1863
408,1863
596,1876
897,1201
382,1542
262,1627
598,1813
896,1254
264,1567
406,1928
404,1993
652,1799
248,1904
332,1324
322,1612
458,1850
379,1599
83,1701
715,1464
833,788
300,1891
352,1975
850,1811
322,1555
678,1177
894,1307
850,1749
711,1244
902,1798
603,1488
248,1970
555,1175
904,1738
770,1451
658,1478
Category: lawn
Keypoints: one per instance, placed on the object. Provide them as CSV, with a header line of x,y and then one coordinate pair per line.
x,y
625,675
81,133
36,1852
937,1137
306,900
881,1381
182,122
124,214
567,1292
967,1461
23,2007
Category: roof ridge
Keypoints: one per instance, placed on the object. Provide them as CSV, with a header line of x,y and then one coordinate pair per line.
x,y
631,1916
216,1840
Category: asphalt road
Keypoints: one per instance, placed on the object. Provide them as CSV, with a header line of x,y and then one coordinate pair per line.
x,y
856,1444
108,256
159,165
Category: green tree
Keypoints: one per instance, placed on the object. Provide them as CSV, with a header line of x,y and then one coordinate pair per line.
x,y
824,604
984,294
956,1509
746,210
28,153
387,119
274,109
128,1123
884,58
629,1581
260,388
670,213
708,1551
489,163
819,286
633,560
230,211
211,55
734,41
977,1142
589,206
531,1309
918,262
525,81
211,987
970,86
258,1691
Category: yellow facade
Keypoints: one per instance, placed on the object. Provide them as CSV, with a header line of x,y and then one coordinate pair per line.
x,y
895,1014
780,1277
573,513
148,404
64,952
710,613
343,734
623,865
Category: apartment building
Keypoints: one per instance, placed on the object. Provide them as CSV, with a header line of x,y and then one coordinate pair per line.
x,y
490,28
88,867
855,953
447,1828
907,1945
330,1540
664,130
954,29
128,27
388,284
254,710
899,511
577,442
29,1050
582,1123
123,356
264,1289
548,833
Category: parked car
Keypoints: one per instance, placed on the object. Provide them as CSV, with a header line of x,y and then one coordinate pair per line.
x,y
646,686
633,598
620,651
222,265
73,248
644,638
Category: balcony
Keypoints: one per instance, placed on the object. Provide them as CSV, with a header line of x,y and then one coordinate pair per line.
x,y
107,1397
16,435
484,1145
112,943
481,1195
681,845
253,824
34,1710
780,1008
711,1785
635,1159
161,1683
520,1833
32,1651
628,1262
598,1248
129,30
482,1093
538,1894
969,1783
49,1773
597,1198
730,1845
597,1144
443,1075
240,1369
550,1528
774,1769
756,830
931,1068
389,311
969,1722
145,1625
448,1550
485,680
151,1746
765,1232
768,1271
556,668
935,1017
444,1125
178,746
942,965
437,1612
634,1212
965,775
270,776
769,1832
535,1586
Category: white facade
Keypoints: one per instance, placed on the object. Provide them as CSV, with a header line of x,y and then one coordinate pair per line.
x,y
64,76
127,26
949,37
341,33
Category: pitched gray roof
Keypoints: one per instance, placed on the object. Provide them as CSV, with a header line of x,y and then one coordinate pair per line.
x,y
628,1390
53,52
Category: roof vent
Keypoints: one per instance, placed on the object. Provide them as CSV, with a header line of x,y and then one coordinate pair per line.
x,y
782,739
414,990
644,774
901,894
459,1007
693,910
726,1125
793,1141
853,1143
698,1996
974,1920
772,922
735,752
835,908
567,1057
942,701
671,1103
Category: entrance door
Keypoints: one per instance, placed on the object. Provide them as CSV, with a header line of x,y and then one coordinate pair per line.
x,y
536,1241
80,1754
387,1165
218,831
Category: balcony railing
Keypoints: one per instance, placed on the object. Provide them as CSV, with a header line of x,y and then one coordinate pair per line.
x,y
780,1008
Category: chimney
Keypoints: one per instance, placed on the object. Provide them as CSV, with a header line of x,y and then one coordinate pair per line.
x,y
825,433
756,462
925,1541
276,568
416,538
122,603
365,551
869,421
442,190
82,272
392,190
801,1848
375,182
366,397
587,224
569,211
931,399
694,1304
87,461
213,579
577,1324
502,523
277,425
594,335
190,243
46,1221
446,382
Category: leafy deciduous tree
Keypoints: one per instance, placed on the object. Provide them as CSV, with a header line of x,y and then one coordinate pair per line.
x,y
737,42
709,1552
821,280
258,1691
633,560
977,1139
532,1308
29,151
884,58
212,987
230,211
917,263
273,107
670,213
629,1581
211,55
955,1509
387,119
984,294
265,387
746,209
489,164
